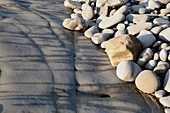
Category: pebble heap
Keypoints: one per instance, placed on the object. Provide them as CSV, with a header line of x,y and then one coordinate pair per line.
x,y
112,24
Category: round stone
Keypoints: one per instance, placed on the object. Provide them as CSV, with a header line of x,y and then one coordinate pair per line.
x,y
167,81
91,31
147,81
156,56
151,64
146,38
130,70
142,11
87,11
165,101
167,110
98,38
120,26
163,54
165,35
156,30
159,94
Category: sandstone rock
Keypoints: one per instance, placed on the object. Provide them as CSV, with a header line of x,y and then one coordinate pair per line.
x,y
159,94
87,11
165,35
165,101
125,47
74,24
147,81
130,70
146,38
134,29
151,64
145,56
163,55
166,83
110,21
91,31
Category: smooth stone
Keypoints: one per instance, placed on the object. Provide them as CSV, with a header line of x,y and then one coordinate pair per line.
x,y
103,44
163,46
165,26
108,32
135,8
159,94
157,44
160,21
87,12
147,81
112,12
75,16
137,18
74,24
168,6
101,18
164,1
120,26
165,101
169,57
104,10
145,56
164,12
164,63
120,33
72,4
130,71
161,70
152,4
156,57
91,31
98,38
146,38
156,30
116,3
100,3
167,110
142,11
110,21
122,10
125,47
135,29
163,54
166,82
165,35
77,11
151,64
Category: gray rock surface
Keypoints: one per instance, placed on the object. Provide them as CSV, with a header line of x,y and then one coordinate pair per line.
x,y
42,66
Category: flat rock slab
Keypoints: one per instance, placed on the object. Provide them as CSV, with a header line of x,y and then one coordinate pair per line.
x,y
48,69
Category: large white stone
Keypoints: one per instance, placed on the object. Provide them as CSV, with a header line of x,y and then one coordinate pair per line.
x,y
91,31
110,21
159,94
165,35
165,101
147,81
167,81
146,38
130,70
87,11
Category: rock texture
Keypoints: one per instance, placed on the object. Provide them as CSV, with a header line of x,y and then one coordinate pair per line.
x,y
125,47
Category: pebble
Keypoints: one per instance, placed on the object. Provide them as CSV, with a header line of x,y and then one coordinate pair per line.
x,y
147,81
130,70
91,31
156,30
157,44
135,29
160,21
145,56
151,64
136,18
122,10
152,4
161,70
87,11
165,35
110,21
159,94
103,10
120,26
164,12
169,57
163,55
108,32
142,11
167,110
164,1
163,46
100,3
112,12
156,56
146,38
72,4
165,63
103,44
98,38
166,82
165,101
168,6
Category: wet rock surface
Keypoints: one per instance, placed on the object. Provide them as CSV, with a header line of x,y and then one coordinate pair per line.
x,y
48,69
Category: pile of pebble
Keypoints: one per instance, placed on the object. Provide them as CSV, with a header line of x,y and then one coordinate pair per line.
x,y
148,20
